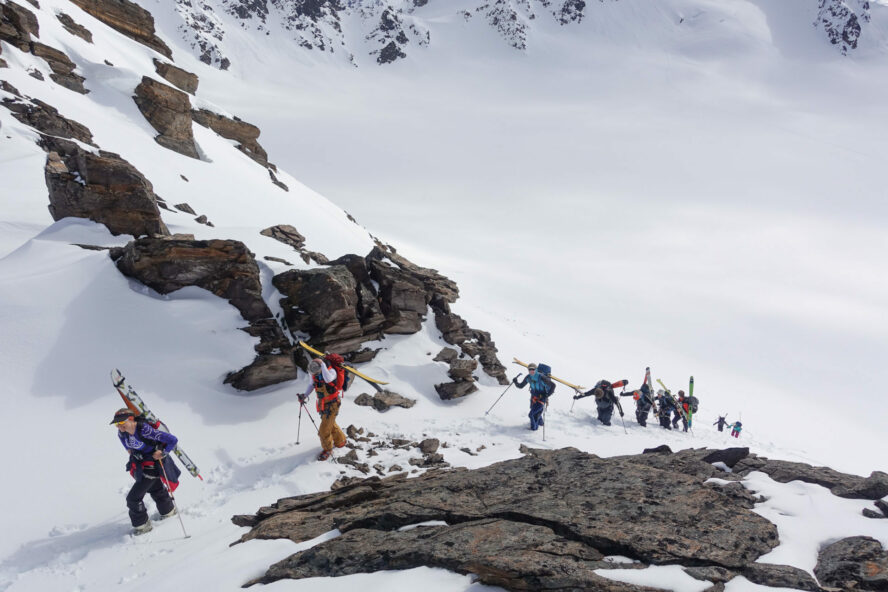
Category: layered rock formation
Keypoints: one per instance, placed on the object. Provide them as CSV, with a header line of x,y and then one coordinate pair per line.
x,y
246,134
168,110
19,27
44,118
358,299
541,522
128,18
74,28
546,522
227,269
182,79
102,187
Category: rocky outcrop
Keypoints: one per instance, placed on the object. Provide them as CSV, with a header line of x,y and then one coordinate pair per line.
x,y
168,110
102,187
384,400
62,67
128,18
541,522
246,134
855,563
224,267
18,26
357,299
841,22
841,484
44,118
182,79
227,269
73,28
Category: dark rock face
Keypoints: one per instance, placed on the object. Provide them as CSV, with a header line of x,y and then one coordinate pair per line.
x,y
855,563
841,484
541,522
73,28
62,67
782,576
45,118
227,269
383,401
234,129
224,267
18,25
323,303
128,18
101,187
382,293
729,456
390,53
168,110
182,79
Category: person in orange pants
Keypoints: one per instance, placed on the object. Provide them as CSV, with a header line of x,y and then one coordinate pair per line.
x,y
327,383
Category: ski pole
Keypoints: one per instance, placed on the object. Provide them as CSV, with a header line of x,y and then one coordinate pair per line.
x,y
575,400
172,497
299,428
504,392
310,417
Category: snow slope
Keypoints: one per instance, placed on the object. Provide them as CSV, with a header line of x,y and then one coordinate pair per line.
x,y
488,165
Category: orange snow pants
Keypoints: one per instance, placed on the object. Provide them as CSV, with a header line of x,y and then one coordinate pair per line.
x,y
329,432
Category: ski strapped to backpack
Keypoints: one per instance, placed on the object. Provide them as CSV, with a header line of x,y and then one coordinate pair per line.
x,y
675,402
135,403
371,381
564,382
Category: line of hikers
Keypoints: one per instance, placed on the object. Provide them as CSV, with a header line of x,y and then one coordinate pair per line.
x,y
670,410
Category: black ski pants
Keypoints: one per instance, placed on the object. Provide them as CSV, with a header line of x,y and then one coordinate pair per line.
x,y
642,417
137,512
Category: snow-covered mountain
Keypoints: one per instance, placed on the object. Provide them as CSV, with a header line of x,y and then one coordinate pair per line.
x,y
690,184
388,30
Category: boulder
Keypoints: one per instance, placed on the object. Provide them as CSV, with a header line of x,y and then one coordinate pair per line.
x,y
854,563
74,28
322,303
102,187
455,390
447,354
128,18
461,369
384,400
224,267
544,521
168,110
245,133
181,79
728,456
780,576
266,370
841,484
429,445
62,67
286,234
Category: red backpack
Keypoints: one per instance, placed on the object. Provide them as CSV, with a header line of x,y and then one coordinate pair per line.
x,y
343,378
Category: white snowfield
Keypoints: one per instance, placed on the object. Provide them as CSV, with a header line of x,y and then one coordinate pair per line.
x,y
706,199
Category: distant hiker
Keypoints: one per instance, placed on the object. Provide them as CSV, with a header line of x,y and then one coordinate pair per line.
x,y
148,448
326,382
735,429
644,402
721,422
693,405
605,399
541,388
667,405
681,412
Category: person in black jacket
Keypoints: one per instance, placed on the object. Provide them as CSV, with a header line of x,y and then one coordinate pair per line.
x,y
605,399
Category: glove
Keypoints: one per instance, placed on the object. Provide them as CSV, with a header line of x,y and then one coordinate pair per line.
x,y
303,399
621,413
576,397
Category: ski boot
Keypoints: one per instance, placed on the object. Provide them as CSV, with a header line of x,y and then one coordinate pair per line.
x,y
142,528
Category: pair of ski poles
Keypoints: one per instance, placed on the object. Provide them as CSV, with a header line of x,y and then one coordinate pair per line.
x,y
299,428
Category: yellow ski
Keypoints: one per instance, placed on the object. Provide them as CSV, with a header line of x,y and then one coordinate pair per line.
x,y
564,382
373,382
